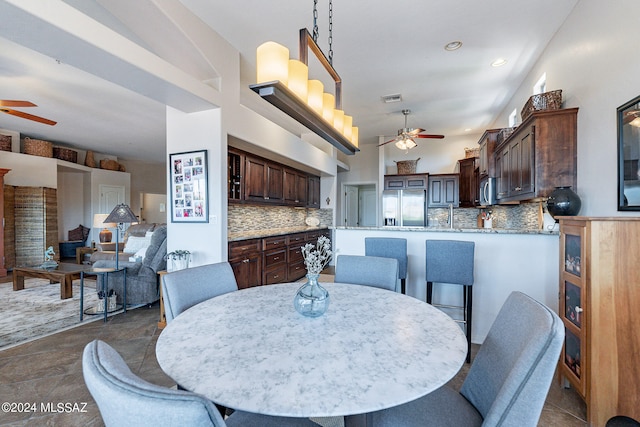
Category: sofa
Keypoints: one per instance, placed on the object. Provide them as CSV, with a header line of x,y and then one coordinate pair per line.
x,y
107,251
142,275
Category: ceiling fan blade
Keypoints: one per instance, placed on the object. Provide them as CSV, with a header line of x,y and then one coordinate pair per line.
x,y
391,140
414,132
28,116
429,136
13,103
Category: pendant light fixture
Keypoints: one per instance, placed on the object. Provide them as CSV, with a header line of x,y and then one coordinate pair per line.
x,y
285,83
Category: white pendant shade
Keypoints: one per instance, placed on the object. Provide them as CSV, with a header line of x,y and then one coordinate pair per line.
x,y
298,79
272,63
315,89
348,126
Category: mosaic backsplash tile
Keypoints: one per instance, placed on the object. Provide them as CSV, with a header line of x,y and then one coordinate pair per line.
x,y
251,218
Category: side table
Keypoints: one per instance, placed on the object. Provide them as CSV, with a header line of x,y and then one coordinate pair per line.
x,y
81,252
163,318
92,271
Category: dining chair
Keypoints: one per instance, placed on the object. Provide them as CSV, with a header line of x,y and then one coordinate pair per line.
x,y
451,262
508,381
183,289
390,247
367,270
123,398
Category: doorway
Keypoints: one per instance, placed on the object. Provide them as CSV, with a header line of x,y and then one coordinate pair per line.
x,y
360,205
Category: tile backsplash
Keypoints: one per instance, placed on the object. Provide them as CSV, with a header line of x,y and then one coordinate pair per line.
x,y
519,217
251,218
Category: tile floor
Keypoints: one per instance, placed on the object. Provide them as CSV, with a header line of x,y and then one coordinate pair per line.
x,y
49,371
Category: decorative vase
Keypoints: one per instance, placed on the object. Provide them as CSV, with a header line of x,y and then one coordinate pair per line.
x,y
178,262
311,300
563,201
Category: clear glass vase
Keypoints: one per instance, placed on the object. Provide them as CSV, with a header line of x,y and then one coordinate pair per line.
x,y
311,300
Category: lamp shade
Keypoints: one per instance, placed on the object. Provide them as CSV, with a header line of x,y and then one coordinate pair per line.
x,y
348,126
338,120
298,79
354,135
272,63
122,213
328,106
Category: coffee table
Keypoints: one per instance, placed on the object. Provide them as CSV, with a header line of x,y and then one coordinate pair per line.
x,y
63,273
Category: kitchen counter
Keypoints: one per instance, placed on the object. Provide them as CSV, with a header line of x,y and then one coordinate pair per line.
x,y
258,234
455,230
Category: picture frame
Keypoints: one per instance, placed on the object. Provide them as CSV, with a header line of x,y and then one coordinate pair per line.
x,y
628,155
189,194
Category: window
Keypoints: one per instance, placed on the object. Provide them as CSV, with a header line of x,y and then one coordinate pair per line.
x,y
513,118
541,84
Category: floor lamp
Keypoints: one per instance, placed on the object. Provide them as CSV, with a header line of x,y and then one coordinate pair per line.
x,y
120,215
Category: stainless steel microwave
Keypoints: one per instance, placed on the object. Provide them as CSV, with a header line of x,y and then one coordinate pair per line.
x,y
487,191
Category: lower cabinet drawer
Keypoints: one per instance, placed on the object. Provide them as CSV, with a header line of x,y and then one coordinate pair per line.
x,y
275,275
274,257
296,271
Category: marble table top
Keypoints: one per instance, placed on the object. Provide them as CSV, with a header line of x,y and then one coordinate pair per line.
x,y
372,349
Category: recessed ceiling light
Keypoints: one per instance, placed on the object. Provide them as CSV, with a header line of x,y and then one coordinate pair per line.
x,y
453,45
499,62
467,130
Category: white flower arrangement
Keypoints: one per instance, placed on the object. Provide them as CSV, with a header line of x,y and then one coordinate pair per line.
x,y
318,256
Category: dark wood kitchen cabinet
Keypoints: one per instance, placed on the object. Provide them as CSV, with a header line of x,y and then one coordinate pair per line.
x,y
245,257
263,181
295,187
486,161
313,196
538,156
403,182
235,174
468,184
443,190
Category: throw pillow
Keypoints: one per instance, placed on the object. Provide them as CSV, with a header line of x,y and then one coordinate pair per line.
x,y
135,243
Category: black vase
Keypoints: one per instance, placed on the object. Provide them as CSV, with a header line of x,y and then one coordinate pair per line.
x,y
563,201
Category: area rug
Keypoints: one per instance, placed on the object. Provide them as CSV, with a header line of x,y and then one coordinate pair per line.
x,y
37,310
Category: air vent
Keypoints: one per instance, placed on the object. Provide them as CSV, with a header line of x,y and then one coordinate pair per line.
x,y
391,98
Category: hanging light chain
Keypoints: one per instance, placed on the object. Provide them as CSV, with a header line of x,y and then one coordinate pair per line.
x,y
315,21
330,32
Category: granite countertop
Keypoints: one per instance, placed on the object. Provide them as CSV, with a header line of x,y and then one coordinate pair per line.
x,y
258,234
455,230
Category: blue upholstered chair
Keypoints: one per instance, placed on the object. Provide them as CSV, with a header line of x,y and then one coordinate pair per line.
x,y
183,289
451,261
508,381
389,247
367,270
124,399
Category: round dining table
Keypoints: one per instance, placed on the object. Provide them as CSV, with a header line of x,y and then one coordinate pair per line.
x,y
373,349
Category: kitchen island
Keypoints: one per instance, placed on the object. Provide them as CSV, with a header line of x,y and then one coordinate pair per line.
x,y
506,260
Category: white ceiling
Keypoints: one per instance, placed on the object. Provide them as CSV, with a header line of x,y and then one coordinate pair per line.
x,y
380,48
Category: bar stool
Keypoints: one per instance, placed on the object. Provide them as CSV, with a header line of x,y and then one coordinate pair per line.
x,y
451,261
389,247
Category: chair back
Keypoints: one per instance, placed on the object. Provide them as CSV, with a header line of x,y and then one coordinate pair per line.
x,y
367,270
388,247
183,289
125,399
450,261
154,257
510,377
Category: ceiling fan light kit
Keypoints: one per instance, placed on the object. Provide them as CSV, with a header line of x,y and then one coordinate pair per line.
x,y
406,136
285,83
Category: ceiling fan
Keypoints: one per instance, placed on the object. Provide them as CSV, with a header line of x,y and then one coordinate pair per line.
x,y
21,104
406,136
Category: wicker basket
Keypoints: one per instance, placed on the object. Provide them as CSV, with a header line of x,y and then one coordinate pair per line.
x,y
543,101
471,152
109,164
407,166
38,147
65,154
5,143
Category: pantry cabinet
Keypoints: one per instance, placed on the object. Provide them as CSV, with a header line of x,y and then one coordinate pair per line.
x,y
469,185
599,296
538,156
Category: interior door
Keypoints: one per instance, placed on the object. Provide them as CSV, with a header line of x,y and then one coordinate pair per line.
x,y
110,196
367,210
351,193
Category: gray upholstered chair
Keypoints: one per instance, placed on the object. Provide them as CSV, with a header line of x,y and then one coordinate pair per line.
x,y
367,270
142,277
452,261
124,399
183,289
508,381
389,247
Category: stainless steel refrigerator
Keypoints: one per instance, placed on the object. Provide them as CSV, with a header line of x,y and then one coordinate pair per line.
x,y
404,208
